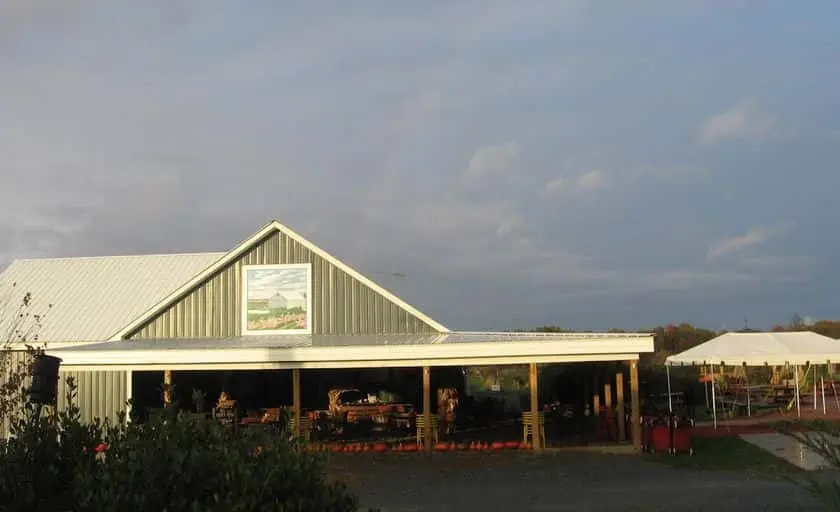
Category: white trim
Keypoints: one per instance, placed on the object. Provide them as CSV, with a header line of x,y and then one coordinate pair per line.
x,y
243,295
396,363
352,356
239,251
46,345
129,392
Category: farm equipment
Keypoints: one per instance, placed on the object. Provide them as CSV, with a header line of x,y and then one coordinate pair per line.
x,y
354,408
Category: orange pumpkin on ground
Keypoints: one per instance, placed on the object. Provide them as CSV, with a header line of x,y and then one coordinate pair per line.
x,y
512,445
497,445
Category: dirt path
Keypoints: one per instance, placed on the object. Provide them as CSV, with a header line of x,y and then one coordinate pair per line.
x,y
553,482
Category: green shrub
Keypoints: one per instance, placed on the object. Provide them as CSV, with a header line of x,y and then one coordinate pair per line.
x,y
42,458
54,464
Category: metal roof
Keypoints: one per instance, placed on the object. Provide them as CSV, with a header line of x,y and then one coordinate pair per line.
x,y
279,341
93,297
357,351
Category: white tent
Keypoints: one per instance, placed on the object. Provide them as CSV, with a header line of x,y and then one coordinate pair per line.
x,y
759,349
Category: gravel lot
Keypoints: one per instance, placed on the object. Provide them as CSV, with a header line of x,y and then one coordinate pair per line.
x,y
559,481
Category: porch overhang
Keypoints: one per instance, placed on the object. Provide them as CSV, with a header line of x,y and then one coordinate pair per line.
x,y
354,351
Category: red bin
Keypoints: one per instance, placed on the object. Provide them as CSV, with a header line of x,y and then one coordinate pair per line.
x,y
661,438
682,437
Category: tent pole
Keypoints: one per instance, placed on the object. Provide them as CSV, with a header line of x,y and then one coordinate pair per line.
x,y
714,405
822,389
796,389
834,392
747,378
814,367
668,374
705,387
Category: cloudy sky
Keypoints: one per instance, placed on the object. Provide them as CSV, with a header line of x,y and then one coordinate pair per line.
x,y
498,164
264,284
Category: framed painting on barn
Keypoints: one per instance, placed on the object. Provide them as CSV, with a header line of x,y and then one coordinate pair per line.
x,y
276,299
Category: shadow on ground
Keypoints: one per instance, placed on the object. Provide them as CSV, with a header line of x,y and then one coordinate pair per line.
x,y
558,481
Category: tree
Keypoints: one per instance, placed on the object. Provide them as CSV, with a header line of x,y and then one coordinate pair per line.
x,y
797,323
19,330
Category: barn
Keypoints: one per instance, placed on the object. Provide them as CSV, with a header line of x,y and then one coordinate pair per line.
x,y
118,323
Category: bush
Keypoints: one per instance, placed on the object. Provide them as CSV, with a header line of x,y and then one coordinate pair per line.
x,y
57,463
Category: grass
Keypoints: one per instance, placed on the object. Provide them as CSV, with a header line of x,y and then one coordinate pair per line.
x,y
727,454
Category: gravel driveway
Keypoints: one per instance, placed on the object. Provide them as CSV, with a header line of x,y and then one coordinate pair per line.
x,y
577,481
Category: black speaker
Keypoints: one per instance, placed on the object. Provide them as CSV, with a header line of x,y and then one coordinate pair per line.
x,y
44,388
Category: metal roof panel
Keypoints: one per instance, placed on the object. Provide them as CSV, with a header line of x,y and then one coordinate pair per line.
x,y
80,290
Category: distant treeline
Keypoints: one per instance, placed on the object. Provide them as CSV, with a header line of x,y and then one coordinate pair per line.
x,y
675,338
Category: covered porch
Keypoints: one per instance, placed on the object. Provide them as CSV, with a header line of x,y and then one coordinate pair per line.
x,y
298,354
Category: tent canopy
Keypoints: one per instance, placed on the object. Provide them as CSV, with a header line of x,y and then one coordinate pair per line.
x,y
760,348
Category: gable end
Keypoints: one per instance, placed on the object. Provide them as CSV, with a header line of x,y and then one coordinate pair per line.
x,y
343,301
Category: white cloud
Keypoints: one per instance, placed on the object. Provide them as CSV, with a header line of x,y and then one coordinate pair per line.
x,y
593,180
737,244
494,162
589,181
746,121
554,187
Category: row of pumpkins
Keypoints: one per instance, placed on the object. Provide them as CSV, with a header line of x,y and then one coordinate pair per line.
x,y
414,447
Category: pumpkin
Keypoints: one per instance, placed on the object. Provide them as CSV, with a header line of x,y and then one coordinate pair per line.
x,y
380,447
410,448
497,445
441,447
512,445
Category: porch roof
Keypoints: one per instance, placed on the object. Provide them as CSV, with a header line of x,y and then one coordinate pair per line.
x,y
354,351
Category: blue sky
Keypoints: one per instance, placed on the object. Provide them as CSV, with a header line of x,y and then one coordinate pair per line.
x,y
497,164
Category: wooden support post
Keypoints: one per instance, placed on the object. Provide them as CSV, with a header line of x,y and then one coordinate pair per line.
x,y
596,404
535,406
167,387
296,408
427,408
608,403
586,395
635,413
619,397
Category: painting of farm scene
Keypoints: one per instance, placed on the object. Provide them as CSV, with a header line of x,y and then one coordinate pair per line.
x,y
276,298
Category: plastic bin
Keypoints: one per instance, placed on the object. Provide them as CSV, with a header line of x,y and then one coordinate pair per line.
x,y
682,436
661,438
